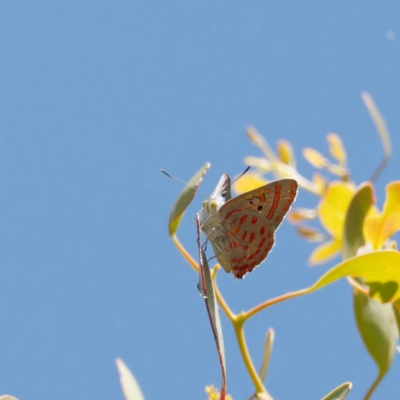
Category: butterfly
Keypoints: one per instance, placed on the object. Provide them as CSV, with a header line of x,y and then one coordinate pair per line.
x,y
242,230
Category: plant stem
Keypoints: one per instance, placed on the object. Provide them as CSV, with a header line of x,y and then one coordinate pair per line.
x,y
238,327
185,254
271,302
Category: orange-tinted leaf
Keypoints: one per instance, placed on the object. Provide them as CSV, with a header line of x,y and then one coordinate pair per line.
x,y
248,182
184,199
314,157
360,204
336,148
301,214
324,252
285,152
378,228
310,234
333,207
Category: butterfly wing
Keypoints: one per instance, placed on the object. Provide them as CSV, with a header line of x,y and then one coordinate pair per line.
x,y
222,192
249,222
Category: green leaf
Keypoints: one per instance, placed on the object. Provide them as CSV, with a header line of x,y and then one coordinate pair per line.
x,y
184,199
379,266
206,289
376,322
377,325
130,388
353,237
339,393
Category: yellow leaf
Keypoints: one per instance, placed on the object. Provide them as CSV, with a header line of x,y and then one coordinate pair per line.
x,y
380,227
248,182
324,252
314,157
333,207
258,162
285,152
320,182
381,266
336,148
260,142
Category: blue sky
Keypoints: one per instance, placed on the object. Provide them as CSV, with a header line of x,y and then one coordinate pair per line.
x,y
95,98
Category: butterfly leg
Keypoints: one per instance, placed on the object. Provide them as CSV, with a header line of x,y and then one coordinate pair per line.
x,y
204,248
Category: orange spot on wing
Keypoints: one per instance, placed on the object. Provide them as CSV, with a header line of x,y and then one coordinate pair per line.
x,y
230,213
275,203
235,230
242,219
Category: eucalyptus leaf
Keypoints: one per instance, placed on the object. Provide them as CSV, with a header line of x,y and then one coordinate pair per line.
x,y
353,237
129,385
378,328
185,198
206,289
339,393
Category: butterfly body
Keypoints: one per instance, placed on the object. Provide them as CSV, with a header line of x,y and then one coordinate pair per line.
x,y
242,230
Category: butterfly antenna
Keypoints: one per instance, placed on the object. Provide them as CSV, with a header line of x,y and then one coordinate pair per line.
x,y
184,183
241,174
